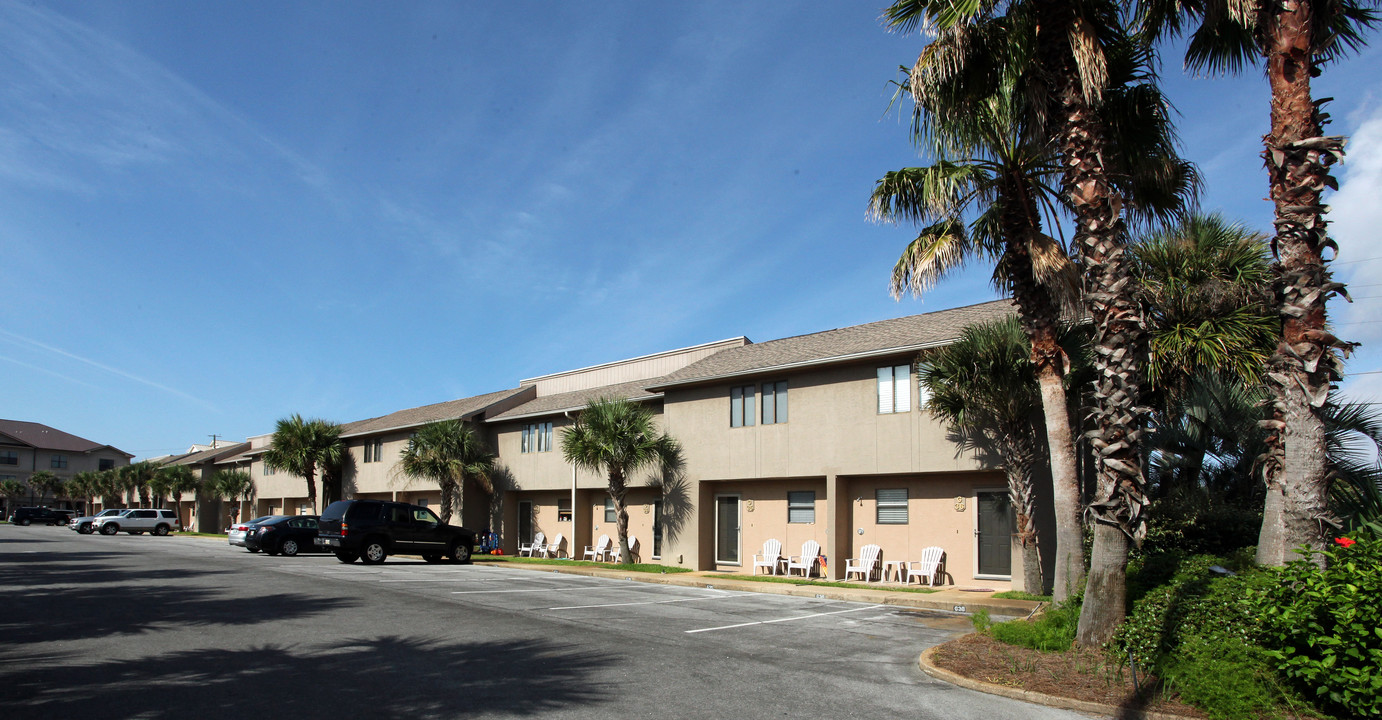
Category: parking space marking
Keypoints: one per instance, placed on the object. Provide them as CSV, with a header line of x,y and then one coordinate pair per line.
x,y
533,590
788,619
650,602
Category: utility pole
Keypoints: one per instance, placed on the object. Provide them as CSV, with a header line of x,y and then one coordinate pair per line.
x,y
213,441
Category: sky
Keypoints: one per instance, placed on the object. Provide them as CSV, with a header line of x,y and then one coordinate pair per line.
x,y
214,215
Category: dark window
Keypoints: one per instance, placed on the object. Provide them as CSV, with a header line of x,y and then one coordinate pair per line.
x,y
775,402
892,506
106,464
58,461
9,457
801,506
610,515
741,406
564,510
537,437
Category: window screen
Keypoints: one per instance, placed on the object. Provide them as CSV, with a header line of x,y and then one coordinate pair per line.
x,y
892,506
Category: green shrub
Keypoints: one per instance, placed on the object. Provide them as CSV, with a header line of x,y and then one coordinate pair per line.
x,y
1051,632
1194,522
1194,602
1225,677
1323,627
981,620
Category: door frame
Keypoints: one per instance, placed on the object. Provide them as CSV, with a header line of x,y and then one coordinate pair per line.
x,y
518,524
1002,491
738,531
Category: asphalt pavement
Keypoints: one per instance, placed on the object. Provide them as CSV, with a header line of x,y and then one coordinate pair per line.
x,y
188,628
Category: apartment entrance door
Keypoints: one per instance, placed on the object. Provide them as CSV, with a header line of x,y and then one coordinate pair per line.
x,y
727,529
994,534
525,521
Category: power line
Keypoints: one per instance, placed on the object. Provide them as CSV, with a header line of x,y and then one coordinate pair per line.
x,y
1350,262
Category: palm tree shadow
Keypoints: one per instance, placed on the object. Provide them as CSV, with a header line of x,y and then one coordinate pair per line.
x,y
389,677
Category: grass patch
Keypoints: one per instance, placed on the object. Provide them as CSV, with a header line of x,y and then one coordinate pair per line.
x,y
1019,595
189,533
555,562
819,583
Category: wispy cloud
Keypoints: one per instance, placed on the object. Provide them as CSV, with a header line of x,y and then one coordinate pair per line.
x,y
21,340
46,371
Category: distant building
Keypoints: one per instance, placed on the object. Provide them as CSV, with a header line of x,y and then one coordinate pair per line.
x,y
30,447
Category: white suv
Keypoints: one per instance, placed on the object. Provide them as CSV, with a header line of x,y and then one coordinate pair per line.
x,y
158,521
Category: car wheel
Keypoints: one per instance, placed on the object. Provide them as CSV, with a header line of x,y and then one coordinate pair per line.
x,y
84,528
161,530
373,552
460,552
289,547
346,556
110,529
24,522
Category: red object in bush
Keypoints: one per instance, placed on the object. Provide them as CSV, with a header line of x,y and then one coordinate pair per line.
x,y
1346,542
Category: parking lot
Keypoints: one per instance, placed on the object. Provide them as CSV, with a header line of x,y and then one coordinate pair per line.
x,y
213,627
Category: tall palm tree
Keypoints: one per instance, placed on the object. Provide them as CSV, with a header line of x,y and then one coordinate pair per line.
x,y
1294,40
83,485
109,485
302,447
12,490
984,387
181,479
1065,48
619,437
142,476
44,482
451,453
234,485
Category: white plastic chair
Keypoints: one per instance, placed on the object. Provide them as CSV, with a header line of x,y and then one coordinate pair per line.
x,y
810,558
770,558
929,566
553,548
616,553
598,552
865,565
533,548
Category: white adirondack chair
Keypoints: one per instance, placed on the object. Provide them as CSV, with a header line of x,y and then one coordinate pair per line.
x,y
599,551
616,554
809,559
865,565
770,558
531,549
553,548
929,566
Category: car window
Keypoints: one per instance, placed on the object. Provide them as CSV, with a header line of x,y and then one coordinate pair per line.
x,y
422,514
364,511
399,514
142,514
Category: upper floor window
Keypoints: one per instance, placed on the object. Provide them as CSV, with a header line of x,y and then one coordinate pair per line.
x,y
892,506
374,450
775,402
895,389
9,457
801,507
741,408
268,470
105,464
537,437
58,461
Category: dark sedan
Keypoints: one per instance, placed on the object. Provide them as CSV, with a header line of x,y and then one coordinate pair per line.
x,y
285,534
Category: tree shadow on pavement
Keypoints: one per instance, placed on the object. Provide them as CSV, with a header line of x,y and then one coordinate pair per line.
x,y
386,677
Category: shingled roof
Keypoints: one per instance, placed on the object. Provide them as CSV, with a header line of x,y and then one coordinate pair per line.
x,y
413,417
42,437
578,399
885,337
216,453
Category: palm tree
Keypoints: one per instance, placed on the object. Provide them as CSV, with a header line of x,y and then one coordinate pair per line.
x,y
159,486
124,482
234,485
44,482
1065,52
301,447
180,479
984,387
83,485
451,453
108,485
12,490
1294,39
619,437
141,475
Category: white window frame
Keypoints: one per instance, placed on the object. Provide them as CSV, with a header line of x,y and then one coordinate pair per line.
x,y
893,394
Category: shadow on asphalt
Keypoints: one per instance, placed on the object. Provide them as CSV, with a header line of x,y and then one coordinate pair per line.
x,y
388,677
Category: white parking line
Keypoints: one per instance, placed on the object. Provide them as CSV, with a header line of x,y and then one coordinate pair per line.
x,y
649,602
555,589
768,622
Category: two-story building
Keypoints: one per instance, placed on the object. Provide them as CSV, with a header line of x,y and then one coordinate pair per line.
x,y
30,447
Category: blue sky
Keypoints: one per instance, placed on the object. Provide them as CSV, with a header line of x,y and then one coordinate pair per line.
x,y
213,215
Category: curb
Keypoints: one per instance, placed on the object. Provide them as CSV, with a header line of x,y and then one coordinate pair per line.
x,y
930,668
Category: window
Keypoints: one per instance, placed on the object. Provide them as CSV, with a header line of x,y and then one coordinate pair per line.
x,y
268,470
895,389
610,515
9,457
741,406
537,438
775,402
58,461
106,464
564,510
892,506
801,507
374,450
421,502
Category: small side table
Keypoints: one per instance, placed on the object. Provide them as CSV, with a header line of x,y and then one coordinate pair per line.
x,y
895,566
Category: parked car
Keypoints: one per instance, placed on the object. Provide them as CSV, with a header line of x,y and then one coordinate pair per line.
x,y
45,515
83,525
286,534
241,530
371,530
137,521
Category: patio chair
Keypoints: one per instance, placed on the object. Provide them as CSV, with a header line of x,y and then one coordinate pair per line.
x,y
771,557
929,566
553,548
616,553
599,551
532,548
865,565
810,558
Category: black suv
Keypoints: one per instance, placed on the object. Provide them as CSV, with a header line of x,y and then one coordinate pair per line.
x,y
26,515
371,530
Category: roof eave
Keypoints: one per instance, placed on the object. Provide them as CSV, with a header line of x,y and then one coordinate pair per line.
x,y
561,410
817,362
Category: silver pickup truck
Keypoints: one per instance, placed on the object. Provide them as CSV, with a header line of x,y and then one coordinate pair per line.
x,y
159,521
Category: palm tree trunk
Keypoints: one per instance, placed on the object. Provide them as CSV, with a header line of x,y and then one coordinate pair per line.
x,y
1119,328
311,487
1298,160
618,491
